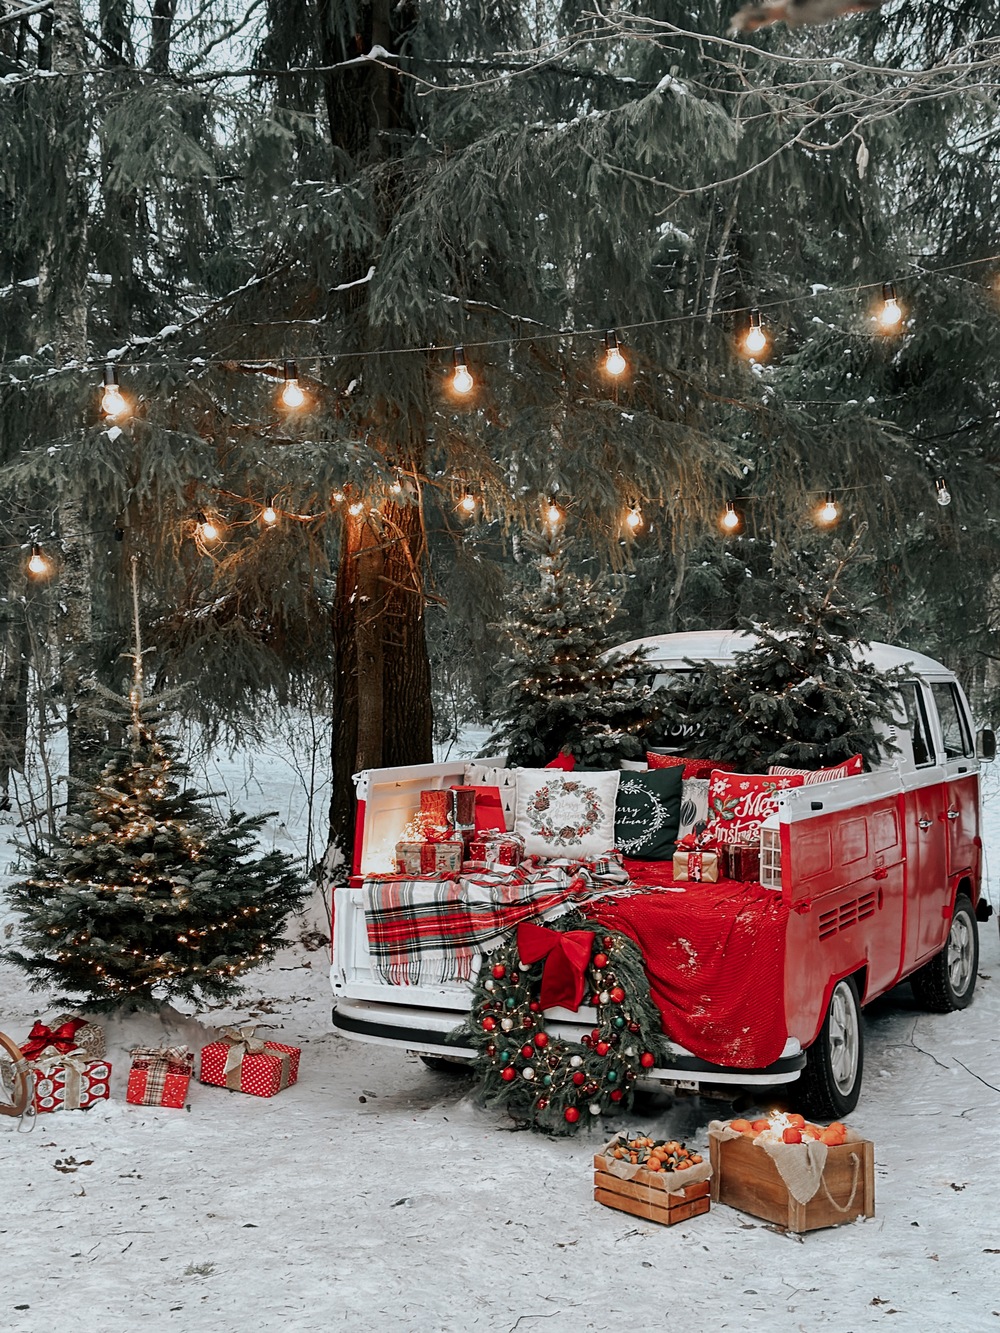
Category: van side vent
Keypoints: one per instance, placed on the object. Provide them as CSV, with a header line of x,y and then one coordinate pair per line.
x,y
836,919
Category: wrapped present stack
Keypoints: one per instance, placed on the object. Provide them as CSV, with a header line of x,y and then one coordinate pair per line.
x,y
159,1076
429,844
700,859
242,1062
67,1059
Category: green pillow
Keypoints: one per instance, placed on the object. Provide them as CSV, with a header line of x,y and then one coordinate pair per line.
x,y
648,813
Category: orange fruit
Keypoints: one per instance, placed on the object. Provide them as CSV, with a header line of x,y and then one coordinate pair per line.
x,y
741,1126
759,1125
795,1120
830,1137
792,1135
696,1158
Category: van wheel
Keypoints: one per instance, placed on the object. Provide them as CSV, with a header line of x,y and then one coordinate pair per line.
x,y
948,981
830,1084
442,1064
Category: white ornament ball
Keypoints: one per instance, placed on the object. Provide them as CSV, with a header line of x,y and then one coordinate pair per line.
x,y
629,1051
576,1061
506,1024
604,997
528,1073
491,984
595,1108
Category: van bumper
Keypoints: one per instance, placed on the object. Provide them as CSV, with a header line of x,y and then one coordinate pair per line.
x,y
426,1030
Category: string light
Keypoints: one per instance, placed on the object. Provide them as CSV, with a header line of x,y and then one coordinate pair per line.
x,y
269,514
356,508
292,395
829,510
113,403
462,381
553,514
755,340
633,519
207,529
337,498
890,316
614,362
941,492
37,564
730,519
467,504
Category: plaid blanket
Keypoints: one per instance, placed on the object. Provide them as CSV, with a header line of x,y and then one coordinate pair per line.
x,y
428,930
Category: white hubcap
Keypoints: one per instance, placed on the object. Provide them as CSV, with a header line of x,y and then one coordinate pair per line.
x,y
845,1038
960,954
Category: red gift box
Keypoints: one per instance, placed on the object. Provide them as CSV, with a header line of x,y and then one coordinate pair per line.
x,y
68,1080
428,858
435,806
159,1077
242,1062
498,849
743,860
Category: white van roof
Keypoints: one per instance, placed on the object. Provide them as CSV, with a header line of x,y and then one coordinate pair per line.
x,y
720,645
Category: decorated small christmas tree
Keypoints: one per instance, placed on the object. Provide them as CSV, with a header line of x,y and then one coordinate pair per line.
x,y
559,691
800,696
146,895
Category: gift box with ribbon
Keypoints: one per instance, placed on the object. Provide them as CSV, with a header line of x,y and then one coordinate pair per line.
x,y
427,847
159,1076
699,859
242,1062
493,850
65,1034
68,1080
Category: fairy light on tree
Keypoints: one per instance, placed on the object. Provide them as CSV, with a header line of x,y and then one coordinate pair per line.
x,y
614,362
38,566
730,520
292,394
829,511
269,515
461,380
113,401
208,528
634,519
890,316
941,492
468,504
755,339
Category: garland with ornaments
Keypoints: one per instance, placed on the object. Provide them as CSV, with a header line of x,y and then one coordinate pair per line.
x,y
545,1081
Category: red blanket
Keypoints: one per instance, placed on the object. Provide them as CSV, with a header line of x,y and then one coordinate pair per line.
x,y
715,957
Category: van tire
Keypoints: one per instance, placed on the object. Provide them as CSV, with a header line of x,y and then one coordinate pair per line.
x,y
442,1064
948,981
830,1084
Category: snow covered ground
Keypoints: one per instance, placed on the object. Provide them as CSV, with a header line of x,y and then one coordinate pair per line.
x,y
376,1193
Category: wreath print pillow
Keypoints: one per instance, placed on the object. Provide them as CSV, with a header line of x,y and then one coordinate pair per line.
x,y
566,814
647,814
738,803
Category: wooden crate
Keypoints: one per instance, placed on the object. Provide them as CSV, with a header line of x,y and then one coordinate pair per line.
x,y
648,1194
745,1177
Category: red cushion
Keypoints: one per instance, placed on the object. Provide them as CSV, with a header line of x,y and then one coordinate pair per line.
x,y
665,760
848,769
693,768
738,803
566,762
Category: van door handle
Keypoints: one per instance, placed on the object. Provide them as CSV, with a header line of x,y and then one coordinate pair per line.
x,y
924,824
953,814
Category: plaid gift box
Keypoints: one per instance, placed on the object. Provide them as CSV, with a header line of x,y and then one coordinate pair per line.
x,y
242,1062
159,1076
428,858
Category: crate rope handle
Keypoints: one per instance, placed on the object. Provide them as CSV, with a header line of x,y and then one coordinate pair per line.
x,y
23,1103
854,1186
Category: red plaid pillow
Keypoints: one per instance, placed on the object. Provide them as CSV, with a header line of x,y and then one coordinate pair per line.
x,y
848,769
738,803
693,768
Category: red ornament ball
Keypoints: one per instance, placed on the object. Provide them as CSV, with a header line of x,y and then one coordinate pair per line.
x,y
617,994
489,1023
542,1103
491,1050
616,1094
499,971
647,1060
587,1040
527,1021
579,1077
633,1027
535,1007
595,1000
527,1052
602,1048
515,977
541,1039
553,1062
600,960
571,1115
608,942
508,1074
595,1034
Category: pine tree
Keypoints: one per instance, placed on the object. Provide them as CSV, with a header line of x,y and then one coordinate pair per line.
x,y
145,895
560,693
798,695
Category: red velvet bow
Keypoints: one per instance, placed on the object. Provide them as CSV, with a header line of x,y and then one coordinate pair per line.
x,y
704,841
566,954
63,1038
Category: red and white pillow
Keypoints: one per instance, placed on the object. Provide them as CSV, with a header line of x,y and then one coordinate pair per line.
x,y
848,769
738,803
693,768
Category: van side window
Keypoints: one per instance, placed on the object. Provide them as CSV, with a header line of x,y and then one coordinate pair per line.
x,y
916,720
954,724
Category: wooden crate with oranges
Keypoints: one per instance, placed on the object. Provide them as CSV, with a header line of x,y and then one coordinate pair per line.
x,y
769,1169
657,1180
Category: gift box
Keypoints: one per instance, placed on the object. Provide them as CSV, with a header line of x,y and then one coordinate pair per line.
x,y
699,866
796,1185
242,1062
435,807
492,851
68,1080
65,1033
159,1076
667,1197
743,861
429,858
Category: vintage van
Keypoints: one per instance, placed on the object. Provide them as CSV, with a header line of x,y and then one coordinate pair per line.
x,y
879,877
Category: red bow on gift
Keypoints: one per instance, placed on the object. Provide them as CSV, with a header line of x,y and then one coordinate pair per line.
x,y
63,1038
704,841
566,954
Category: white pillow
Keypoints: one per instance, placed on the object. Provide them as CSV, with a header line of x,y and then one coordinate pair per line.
x,y
566,814
694,805
632,766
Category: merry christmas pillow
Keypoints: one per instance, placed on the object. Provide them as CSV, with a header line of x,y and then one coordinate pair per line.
x,y
848,769
738,803
647,813
566,814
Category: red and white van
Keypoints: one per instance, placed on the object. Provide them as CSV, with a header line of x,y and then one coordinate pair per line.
x,y
879,873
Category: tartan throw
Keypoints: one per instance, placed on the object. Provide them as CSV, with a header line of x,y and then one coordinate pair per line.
x,y
426,930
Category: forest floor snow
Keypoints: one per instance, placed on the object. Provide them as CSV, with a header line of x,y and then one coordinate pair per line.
x,y
376,1192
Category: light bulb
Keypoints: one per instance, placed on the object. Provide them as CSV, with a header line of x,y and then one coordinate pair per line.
x,y
396,488
614,362
208,529
730,519
269,515
337,497
37,564
829,510
942,493
890,315
292,395
462,381
756,339
633,518
553,513
113,404
467,503
356,508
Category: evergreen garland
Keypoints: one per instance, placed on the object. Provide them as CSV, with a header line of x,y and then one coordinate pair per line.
x,y
547,1082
